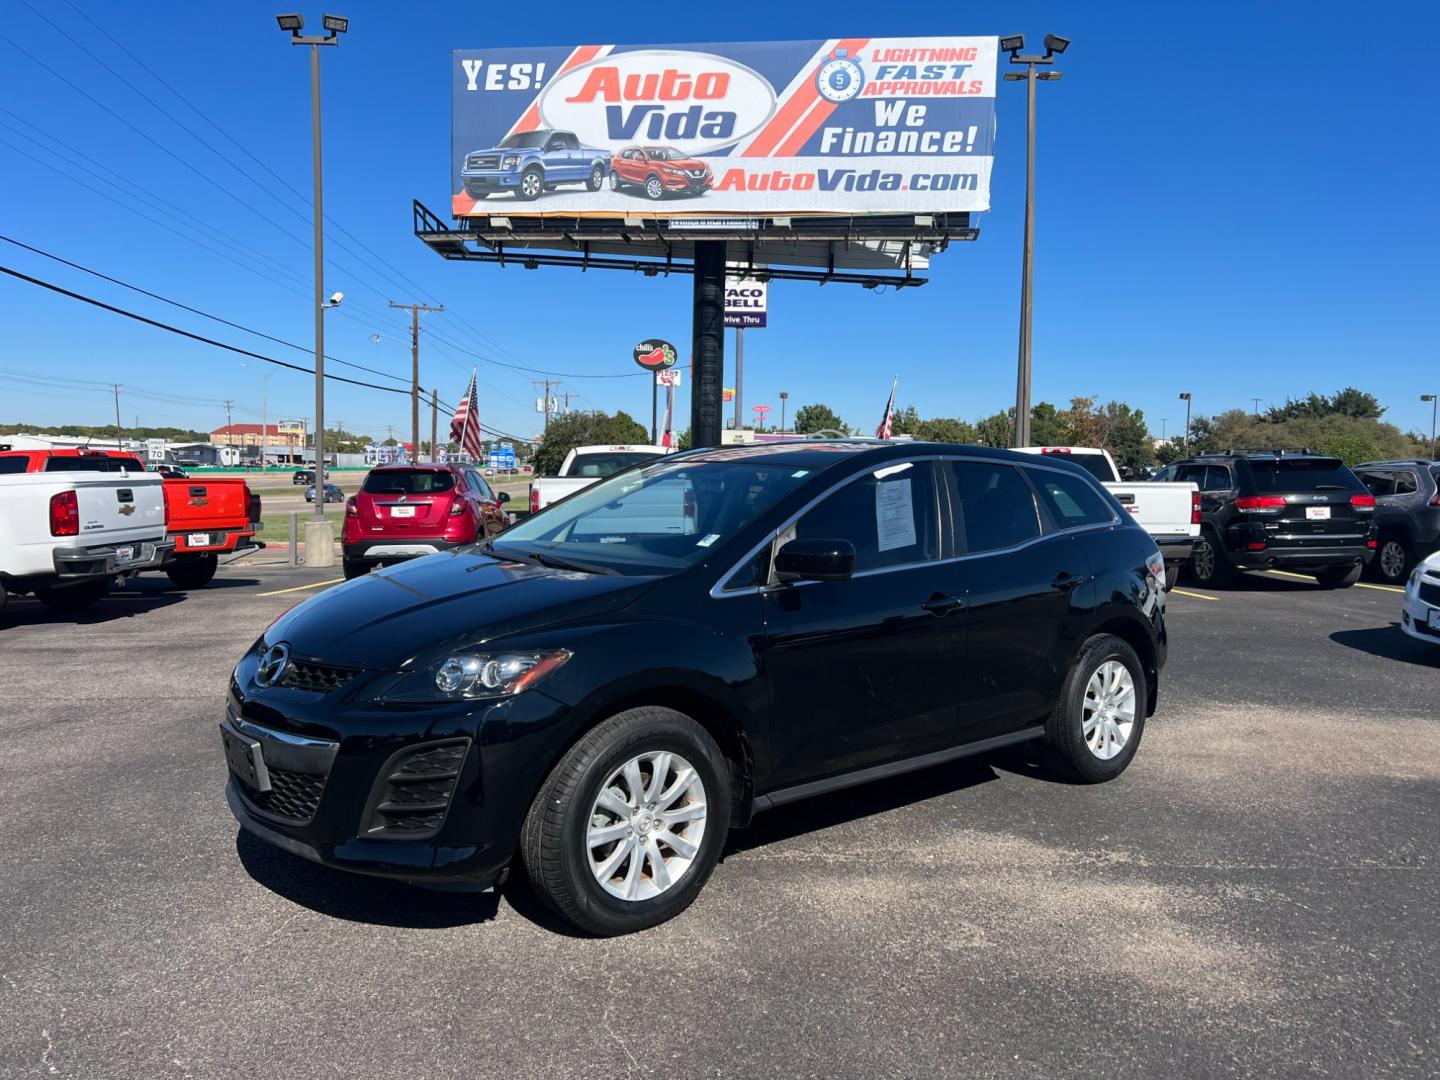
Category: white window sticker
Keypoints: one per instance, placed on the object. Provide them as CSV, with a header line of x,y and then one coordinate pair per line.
x,y
894,515
707,539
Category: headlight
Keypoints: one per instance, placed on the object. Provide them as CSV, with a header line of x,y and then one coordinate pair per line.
x,y
1414,582
509,162
472,676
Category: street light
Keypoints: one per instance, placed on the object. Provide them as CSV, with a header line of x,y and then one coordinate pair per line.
x,y
1054,45
319,539
784,397
1185,397
1431,398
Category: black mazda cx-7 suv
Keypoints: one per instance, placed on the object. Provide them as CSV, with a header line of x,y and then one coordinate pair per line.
x,y
605,689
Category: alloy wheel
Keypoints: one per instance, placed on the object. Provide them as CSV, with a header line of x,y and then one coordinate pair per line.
x,y
1202,560
654,188
646,825
530,185
1109,710
1392,560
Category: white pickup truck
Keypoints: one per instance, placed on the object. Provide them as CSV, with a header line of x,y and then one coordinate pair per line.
x,y
65,536
1170,512
583,466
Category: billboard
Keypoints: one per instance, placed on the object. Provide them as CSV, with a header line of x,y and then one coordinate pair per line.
x,y
835,126
746,302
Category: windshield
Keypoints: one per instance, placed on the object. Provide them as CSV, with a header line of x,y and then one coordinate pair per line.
x,y
607,464
664,153
408,482
1304,474
653,520
524,138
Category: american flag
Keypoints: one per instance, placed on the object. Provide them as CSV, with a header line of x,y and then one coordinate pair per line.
x,y
883,431
465,424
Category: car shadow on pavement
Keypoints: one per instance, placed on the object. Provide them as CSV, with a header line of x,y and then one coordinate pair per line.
x,y
27,611
357,898
862,801
1390,643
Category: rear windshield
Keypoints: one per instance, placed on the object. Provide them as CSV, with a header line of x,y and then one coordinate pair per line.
x,y
1094,464
13,464
93,463
606,464
408,482
1304,474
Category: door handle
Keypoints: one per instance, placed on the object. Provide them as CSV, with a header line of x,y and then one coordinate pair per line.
x,y
943,605
1065,581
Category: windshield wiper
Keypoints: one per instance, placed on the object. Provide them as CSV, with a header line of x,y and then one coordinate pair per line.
x,y
509,556
557,563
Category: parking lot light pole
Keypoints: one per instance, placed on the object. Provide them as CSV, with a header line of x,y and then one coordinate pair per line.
x,y
1185,397
319,538
1433,402
1054,44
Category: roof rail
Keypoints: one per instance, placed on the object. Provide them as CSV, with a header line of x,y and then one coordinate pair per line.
x,y
1257,451
1398,461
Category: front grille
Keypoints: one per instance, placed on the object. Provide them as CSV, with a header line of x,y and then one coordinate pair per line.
x,y
482,161
292,795
413,792
1430,592
317,678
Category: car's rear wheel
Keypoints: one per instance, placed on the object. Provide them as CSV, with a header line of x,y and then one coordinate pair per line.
x,y
614,180
353,568
1208,565
597,177
629,824
1393,561
1096,726
532,182
74,597
654,189
1338,577
192,572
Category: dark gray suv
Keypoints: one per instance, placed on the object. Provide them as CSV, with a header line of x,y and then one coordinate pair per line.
x,y
1407,513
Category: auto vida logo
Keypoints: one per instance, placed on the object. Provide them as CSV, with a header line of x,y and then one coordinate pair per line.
x,y
273,664
697,102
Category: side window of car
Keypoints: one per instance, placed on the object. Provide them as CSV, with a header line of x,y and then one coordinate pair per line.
x,y
1378,483
1072,502
889,515
1191,474
481,487
1217,478
1406,483
569,141
997,509
1167,474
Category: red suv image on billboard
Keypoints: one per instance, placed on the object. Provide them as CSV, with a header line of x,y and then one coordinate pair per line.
x,y
655,170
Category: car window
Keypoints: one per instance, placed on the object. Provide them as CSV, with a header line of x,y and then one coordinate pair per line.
x,y
13,464
1303,475
481,488
408,481
1071,500
1217,478
1378,483
889,515
996,507
1167,474
606,464
1406,483
93,463
570,141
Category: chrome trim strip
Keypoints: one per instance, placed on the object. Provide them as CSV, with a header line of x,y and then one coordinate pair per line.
x,y
258,732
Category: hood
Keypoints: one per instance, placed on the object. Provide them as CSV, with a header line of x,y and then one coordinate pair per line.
x,y
383,619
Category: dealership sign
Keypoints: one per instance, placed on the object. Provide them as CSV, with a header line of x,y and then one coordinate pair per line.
x,y
843,125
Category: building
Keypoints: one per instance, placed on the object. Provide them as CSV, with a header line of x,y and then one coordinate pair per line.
x,y
284,440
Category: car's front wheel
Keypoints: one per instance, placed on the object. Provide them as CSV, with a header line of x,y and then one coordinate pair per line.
x,y
532,183
1096,725
597,177
629,824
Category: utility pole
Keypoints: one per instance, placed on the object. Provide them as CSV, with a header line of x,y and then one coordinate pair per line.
x,y
415,310
1256,402
434,425
546,383
1432,399
228,403
119,435
1185,397
784,397
567,395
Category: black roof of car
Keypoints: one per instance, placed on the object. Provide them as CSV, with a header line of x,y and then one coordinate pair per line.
x,y
820,453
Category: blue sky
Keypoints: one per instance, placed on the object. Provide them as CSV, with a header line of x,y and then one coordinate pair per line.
x,y
1233,199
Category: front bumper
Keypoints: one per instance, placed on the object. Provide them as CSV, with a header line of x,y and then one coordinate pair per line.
x,y
432,794
1416,615
482,183
105,561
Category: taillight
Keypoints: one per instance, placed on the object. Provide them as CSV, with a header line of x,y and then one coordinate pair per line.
x,y
1263,503
1194,508
64,514
534,499
1363,502
457,507
350,508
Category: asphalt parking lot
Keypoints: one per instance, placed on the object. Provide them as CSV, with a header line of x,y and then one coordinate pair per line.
x,y
1257,896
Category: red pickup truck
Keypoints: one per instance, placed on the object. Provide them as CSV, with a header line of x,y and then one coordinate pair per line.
x,y
205,518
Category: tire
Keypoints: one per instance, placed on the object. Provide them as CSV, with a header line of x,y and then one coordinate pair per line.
x,y
354,568
1082,754
532,183
654,189
1338,577
74,597
597,177
615,182
1393,561
1172,576
554,847
1209,567
192,573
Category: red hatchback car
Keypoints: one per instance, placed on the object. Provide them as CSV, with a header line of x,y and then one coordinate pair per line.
x,y
405,511
656,170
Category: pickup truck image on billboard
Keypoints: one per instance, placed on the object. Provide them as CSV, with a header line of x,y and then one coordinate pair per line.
x,y
834,126
528,163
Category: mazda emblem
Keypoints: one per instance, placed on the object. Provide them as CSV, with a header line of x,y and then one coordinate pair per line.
x,y
273,664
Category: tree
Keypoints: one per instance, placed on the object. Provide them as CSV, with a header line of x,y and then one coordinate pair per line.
x,y
946,430
906,421
812,418
996,430
570,430
1045,426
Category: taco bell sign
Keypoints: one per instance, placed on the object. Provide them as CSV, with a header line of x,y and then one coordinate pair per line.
x,y
746,301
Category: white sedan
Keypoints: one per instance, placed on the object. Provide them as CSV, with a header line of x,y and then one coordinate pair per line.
x,y
1420,617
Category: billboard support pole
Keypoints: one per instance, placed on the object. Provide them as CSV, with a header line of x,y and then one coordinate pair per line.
x,y
739,376
709,343
654,391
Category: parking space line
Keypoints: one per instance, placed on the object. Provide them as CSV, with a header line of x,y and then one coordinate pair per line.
x,y
1357,585
1196,595
299,588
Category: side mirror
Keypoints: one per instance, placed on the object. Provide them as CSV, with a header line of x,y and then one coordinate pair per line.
x,y
815,560
503,497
